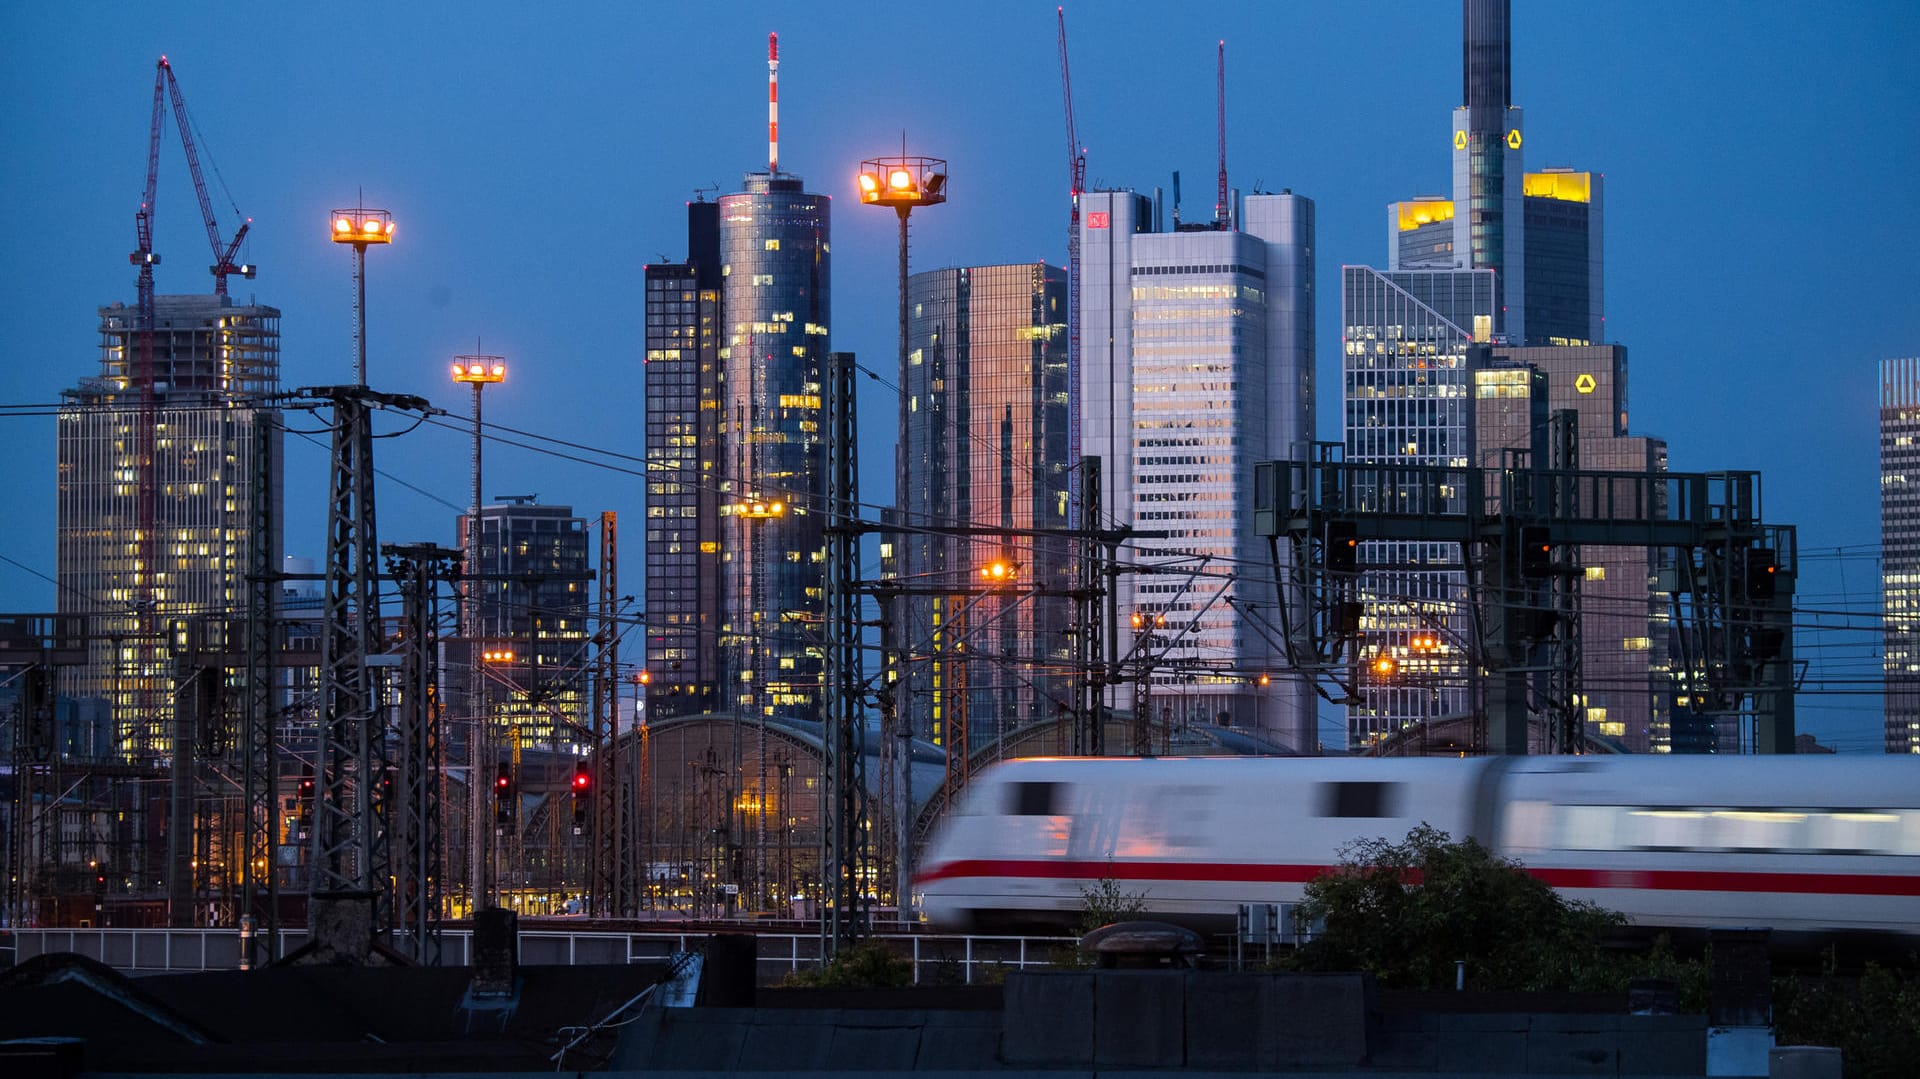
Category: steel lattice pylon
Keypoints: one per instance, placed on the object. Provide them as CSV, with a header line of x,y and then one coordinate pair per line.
x,y
418,838
613,878
260,892
845,856
349,847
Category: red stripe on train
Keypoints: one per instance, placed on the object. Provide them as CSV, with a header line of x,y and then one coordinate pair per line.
x,y
1683,880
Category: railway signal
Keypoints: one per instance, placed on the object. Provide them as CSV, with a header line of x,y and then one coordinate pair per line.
x,y
503,801
582,795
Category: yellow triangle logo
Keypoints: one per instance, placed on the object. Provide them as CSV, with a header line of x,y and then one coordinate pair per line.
x,y
1583,383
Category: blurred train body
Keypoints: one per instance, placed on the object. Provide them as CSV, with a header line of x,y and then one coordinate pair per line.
x,y
1795,843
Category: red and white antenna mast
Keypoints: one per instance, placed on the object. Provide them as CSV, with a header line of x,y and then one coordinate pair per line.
x,y
1220,204
773,102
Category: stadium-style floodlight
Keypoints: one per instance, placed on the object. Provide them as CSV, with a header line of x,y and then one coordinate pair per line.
x,y
362,228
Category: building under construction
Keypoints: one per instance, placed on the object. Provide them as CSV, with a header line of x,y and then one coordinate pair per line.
x,y
212,362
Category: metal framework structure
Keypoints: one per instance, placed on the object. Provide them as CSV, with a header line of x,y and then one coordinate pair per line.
x,y
1090,737
259,893
613,893
412,793
35,646
350,845
1076,185
845,856
1731,578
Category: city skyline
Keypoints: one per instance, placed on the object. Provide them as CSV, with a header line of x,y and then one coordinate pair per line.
x,y
533,166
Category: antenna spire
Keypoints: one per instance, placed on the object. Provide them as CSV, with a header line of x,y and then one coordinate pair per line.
x,y
773,103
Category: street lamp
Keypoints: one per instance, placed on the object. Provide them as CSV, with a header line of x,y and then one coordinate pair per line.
x,y
362,228
479,372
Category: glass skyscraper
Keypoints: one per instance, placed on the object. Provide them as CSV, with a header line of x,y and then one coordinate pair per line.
x,y
1541,232
983,444
1564,255
774,314
1488,163
1405,343
684,468
1900,549
1197,348
534,600
212,362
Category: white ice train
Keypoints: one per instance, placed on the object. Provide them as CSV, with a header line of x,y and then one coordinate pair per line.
x,y
1798,843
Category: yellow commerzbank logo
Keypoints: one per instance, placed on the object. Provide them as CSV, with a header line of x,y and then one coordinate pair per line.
x,y
1513,139
1583,383
1459,140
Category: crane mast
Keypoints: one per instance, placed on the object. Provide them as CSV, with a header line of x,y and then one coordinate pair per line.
x,y
165,88
1076,181
223,263
1220,208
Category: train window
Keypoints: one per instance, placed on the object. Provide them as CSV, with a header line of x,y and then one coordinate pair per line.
x,y
1034,800
1359,799
1756,830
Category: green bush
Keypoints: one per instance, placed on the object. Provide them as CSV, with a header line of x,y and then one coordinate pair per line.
x,y
1106,903
871,965
1103,904
1408,911
1874,1019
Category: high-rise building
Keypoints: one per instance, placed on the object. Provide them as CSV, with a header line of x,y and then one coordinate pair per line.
x,y
1539,231
213,360
684,470
736,450
1563,252
1488,163
983,444
1406,344
1197,362
1565,258
534,593
1624,664
773,351
1900,549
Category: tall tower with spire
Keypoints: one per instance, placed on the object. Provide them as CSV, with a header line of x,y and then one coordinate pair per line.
x,y
736,451
1489,174
1540,232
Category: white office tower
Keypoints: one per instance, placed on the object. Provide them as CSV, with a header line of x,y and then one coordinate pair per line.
x,y
1197,362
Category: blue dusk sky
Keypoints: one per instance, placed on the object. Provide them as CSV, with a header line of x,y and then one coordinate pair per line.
x,y
1762,184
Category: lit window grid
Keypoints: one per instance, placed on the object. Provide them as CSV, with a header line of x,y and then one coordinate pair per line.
x,y
1900,550
1199,381
1405,401
773,347
214,359
682,519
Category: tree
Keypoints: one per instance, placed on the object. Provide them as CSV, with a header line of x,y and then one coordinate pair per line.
x,y
1106,903
1409,911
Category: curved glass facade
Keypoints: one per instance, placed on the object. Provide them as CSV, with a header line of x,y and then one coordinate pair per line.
x,y
773,352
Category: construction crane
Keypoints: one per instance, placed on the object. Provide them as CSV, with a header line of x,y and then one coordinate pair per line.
x,y
1220,208
1076,181
164,84
144,257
